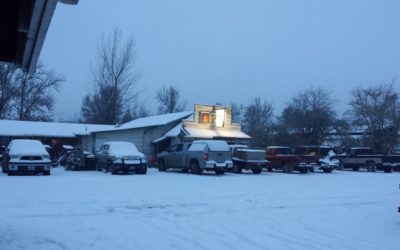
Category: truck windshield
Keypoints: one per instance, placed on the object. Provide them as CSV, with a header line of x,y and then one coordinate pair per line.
x,y
283,151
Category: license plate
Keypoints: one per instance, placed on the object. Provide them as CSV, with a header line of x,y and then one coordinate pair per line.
x,y
31,168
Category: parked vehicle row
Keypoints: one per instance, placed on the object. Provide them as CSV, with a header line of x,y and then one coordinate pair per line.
x,y
30,156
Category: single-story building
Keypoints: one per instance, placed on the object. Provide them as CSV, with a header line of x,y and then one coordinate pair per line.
x,y
151,135
54,134
154,134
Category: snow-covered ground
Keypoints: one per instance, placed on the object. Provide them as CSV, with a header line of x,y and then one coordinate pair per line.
x,y
93,210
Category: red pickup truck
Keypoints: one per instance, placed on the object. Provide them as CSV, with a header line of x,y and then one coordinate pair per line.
x,y
282,158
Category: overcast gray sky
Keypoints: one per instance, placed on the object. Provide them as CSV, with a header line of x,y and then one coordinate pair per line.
x,y
231,50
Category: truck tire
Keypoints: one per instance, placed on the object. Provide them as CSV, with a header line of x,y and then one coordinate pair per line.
x,y
219,171
141,171
194,168
327,170
269,169
387,169
340,166
287,168
237,169
46,172
356,168
371,167
256,170
161,166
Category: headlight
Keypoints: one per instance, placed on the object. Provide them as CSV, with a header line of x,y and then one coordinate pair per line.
x,y
143,160
46,157
117,159
14,157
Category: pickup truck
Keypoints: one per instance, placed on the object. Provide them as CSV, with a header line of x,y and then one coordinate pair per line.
x,y
197,156
282,158
318,157
246,158
391,162
363,157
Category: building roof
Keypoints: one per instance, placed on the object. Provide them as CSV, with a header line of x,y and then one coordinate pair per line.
x,y
46,129
150,121
23,28
214,133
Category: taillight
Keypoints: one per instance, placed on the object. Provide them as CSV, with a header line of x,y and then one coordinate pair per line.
x,y
205,156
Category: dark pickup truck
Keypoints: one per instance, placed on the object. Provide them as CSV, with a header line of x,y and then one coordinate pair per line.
x,y
318,157
283,158
363,157
247,158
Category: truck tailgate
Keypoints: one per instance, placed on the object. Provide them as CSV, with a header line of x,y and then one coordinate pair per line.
x,y
219,156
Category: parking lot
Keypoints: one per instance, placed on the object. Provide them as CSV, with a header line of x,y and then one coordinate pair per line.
x,y
173,210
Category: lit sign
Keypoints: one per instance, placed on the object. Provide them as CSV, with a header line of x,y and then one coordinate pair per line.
x,y
204,117
219,117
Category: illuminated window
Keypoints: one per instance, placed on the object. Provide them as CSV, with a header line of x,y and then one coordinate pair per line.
x,y
219,117
204,117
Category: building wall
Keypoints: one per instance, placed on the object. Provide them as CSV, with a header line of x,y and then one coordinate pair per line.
x,y
141,137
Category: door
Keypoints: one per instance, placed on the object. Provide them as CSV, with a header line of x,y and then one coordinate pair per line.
x,y
169,159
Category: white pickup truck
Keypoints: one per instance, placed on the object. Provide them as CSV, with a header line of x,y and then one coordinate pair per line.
x,y
26,156
214,155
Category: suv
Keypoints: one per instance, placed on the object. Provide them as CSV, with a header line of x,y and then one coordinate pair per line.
x,y
283,158
26,156
197,156
318,157
122,157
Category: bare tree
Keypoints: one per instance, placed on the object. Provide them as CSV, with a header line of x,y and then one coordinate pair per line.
x,y
237,112
258,121
7,89
33,96
309,116
114,80
376,109
168,99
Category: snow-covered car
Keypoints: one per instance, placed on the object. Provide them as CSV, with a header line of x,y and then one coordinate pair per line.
x,y
26,156
318,157
116,157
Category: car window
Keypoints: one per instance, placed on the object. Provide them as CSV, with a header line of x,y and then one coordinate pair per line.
x,y
173,148
179,148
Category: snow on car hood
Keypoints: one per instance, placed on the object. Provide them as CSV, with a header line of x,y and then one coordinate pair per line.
x,y
120,149
27,147
330,159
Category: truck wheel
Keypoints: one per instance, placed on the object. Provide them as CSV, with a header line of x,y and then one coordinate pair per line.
x,y
269,170
237,169
304,171
356,168
256,170
161,166
141,171
287,168
194,168
46,172
219,171
387,170
371,167
327,170
340,166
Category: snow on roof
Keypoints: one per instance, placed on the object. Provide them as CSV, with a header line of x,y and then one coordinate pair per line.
x,y
47,129
174,132
151,121
211,133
